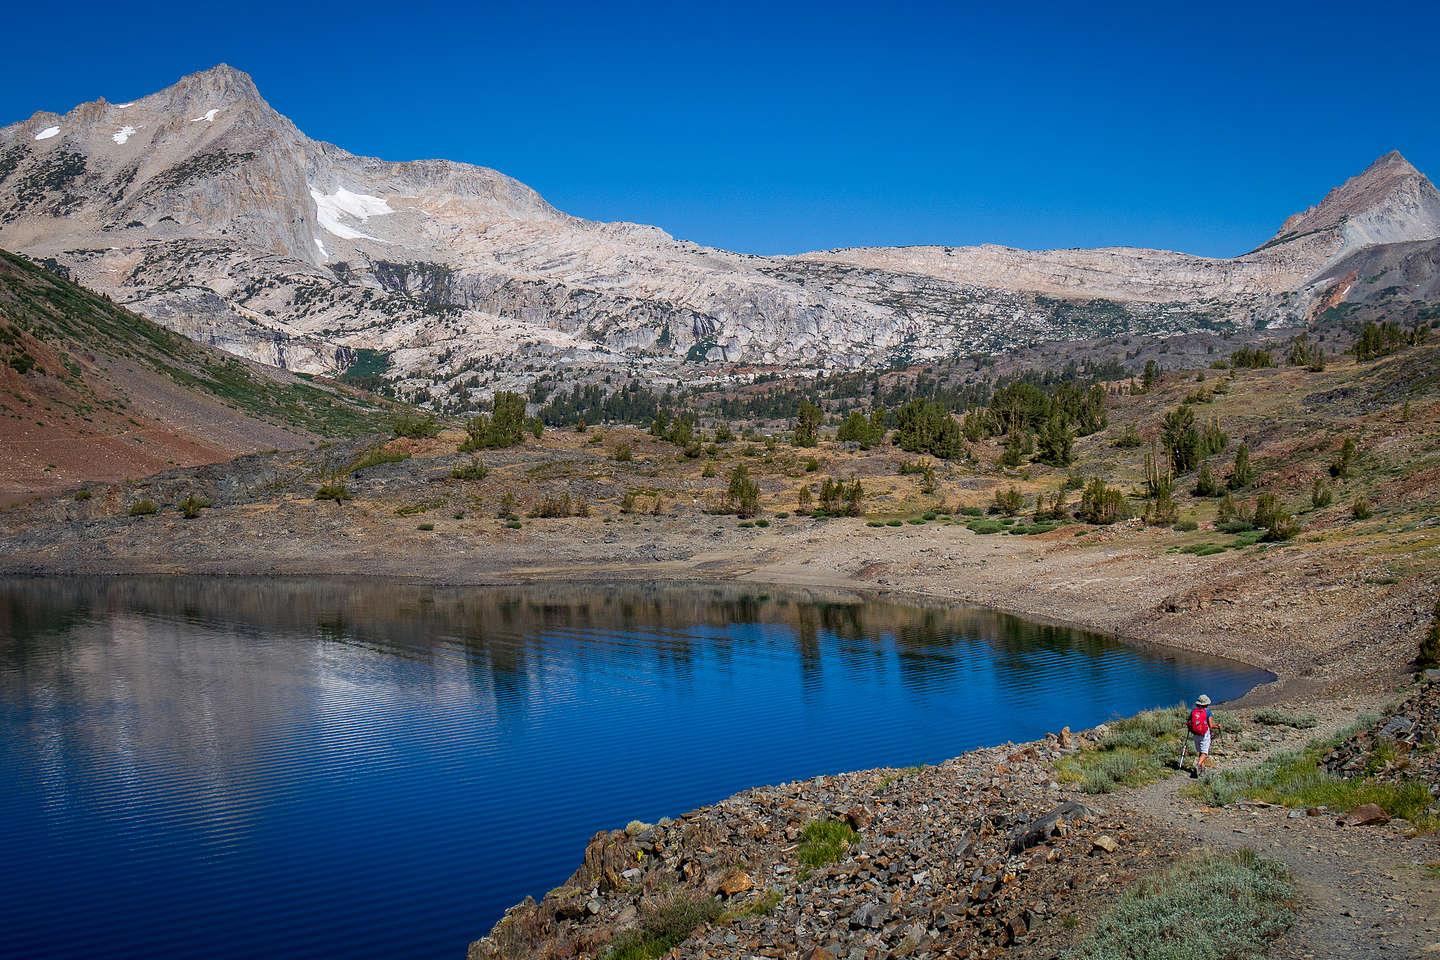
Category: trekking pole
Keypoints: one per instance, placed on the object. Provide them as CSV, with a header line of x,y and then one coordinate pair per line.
x,y
1184,745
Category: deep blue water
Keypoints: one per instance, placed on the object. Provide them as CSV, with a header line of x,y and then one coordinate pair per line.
x,y
221,768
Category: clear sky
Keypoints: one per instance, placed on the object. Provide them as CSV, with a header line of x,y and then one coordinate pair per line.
x,y
778,128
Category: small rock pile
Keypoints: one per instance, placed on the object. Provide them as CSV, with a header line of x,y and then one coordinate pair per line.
x,y
980,855
1404,745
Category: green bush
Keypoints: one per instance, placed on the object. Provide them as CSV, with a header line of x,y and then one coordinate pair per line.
x,y
191,506
1275,718
1321,495
985,527
622,453
1187,525
970,512
335,490
425,526
664,927
475,469
1218,907
1101,504
1429,655
504,427
1008,502
892,523
82,494
416,425
143,508
1361,509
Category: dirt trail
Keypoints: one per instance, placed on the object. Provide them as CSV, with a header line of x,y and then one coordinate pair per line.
x,y
1368,892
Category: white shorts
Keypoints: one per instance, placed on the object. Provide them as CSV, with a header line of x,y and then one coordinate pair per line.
x,y
1202,743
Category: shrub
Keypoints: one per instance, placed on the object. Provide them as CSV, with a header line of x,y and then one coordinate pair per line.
x,y
622,453
552,507
842,500
1344,461
1187,525
803,499
82,494
1217,907
1252,358
1320,494
334,489
504,427
1361,509
1102,504
924,426
190,507
812,465
1429,655
857,429
1274,718
1008,502
627,502
708,470
425,526
416,425
509,505
807,424
473,470
970,511
742,496
1206,485
143,508
1276,520
664,926
1162,511
1129,438
1242,474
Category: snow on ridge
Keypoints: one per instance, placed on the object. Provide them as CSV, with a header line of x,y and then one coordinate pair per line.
x,y
47,133
208,117
358,206
122,106
123,134
323,252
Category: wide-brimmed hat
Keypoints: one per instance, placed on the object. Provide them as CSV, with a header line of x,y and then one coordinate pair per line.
x,y
1202,701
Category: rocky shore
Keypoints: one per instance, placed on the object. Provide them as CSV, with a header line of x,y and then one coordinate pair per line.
x,y
987,855
981,854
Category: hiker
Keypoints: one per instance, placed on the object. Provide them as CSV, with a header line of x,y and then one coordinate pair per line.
x,y
1200,726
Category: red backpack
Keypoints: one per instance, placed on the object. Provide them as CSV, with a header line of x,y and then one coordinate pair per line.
x,y
1199,721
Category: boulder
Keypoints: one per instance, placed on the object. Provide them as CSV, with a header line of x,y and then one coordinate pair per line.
x,y
1038,831
1366,814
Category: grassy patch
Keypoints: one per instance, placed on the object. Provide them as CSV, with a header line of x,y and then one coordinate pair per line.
x,y
1274,718
1137,750
143,508
1295,778
664,927
825,841
983,527
375,456
1217,907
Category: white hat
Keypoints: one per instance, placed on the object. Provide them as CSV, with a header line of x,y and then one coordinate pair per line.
x,y
1202,701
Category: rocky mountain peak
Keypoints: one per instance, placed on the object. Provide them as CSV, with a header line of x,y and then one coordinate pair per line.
x,y
1389,202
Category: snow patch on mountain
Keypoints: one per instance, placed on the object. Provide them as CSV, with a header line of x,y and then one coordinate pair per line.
x,y
123,134
208,117
47,133
330,207
323,252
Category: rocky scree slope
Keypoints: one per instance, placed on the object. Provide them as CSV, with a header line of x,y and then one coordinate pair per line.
x,y
980,856
204,209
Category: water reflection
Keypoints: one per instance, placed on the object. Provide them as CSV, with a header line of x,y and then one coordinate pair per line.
x,y
225,767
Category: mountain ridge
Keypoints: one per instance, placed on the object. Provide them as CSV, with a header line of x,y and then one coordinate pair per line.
x,y
205,209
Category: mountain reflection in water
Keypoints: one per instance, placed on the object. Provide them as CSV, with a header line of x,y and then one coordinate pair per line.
x,y
226,768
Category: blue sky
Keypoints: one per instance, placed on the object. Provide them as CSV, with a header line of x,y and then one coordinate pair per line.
x,y
775,128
